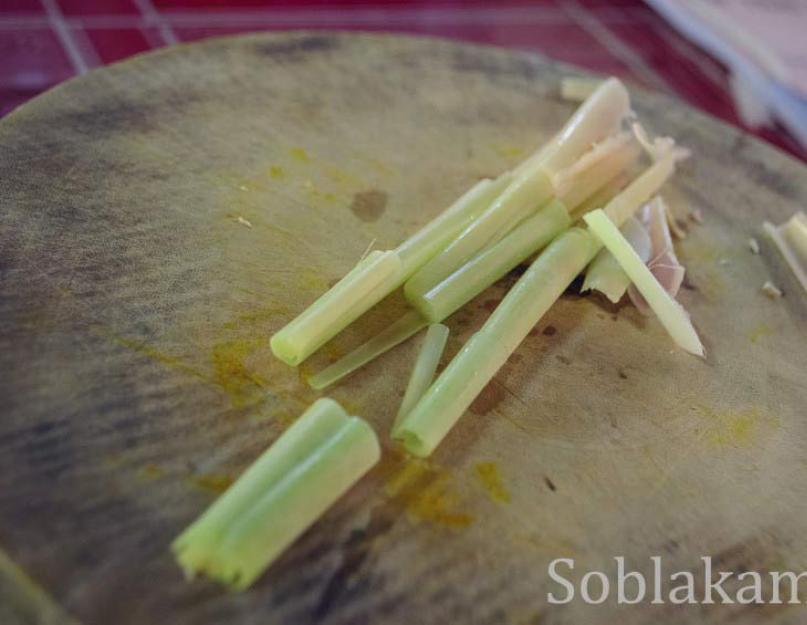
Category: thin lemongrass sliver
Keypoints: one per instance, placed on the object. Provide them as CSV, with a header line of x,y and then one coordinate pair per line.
x,y
196,546
605,274
337,308
493,263
640,190
280,515
486,351
394,334
423,372
671,314
435,235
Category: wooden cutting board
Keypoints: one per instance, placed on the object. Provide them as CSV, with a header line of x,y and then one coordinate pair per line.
x,y
161,218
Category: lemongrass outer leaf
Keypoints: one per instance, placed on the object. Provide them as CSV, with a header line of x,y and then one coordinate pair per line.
x,y
485,268
605,274
394,334
337,308
435,235
671,314
284,512
423,372
195,547
486,351
576,89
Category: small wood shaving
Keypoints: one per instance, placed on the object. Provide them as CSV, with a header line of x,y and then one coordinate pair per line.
x,y
243,221
753,245
771,290
696,216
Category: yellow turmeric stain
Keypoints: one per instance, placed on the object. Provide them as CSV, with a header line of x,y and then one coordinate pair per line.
x,y
151,471
509,151
736,429
277,172
169,361
299,155
232,373
487,474
759,331
212,482
426,492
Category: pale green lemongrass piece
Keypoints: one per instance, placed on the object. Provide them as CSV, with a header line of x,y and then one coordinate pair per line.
x,y
283,513
641,189
599,166
365,285
605,274
601,196
435,235
394,334
790,239
493,263
423,372
598,118
486,351
671,314
523,306
196,546
576,89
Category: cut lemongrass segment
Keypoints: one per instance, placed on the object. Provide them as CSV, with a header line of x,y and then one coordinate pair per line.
x,y
791,240
365,285
310,466
605,274
604,162
422,429
640,190
435,235
196,545
423,372
523,306
601,196
408,325
671,314
493,263
598,118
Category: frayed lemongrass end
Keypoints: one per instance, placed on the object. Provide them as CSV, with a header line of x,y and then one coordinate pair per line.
x,y
790,239
670,313
658,147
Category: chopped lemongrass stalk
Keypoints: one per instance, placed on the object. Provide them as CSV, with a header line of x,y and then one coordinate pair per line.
x,y
791,240
601,164
601,196
485,268
605,275
641,189
577,89
283,513
197,548
523,306
408,325
365,285
423,372
435,235
671,314
599,117
486,351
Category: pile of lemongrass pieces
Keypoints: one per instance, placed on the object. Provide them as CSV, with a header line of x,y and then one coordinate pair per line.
x,y
587,202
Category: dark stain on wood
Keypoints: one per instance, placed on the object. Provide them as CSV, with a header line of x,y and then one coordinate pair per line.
x,y
549,330
297,48
563,359
550,484
490,397
622,374
490,304
369,205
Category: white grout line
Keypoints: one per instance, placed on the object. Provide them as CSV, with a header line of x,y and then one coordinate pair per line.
x,y
153,18
81,65
583,18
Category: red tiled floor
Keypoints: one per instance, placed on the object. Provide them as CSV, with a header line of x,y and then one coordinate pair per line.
x,y
33,59
94,7
116,44
21,6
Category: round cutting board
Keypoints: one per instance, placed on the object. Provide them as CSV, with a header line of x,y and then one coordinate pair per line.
x,y
161,218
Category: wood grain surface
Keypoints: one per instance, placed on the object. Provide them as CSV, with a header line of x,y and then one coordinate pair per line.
x,y
161,218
